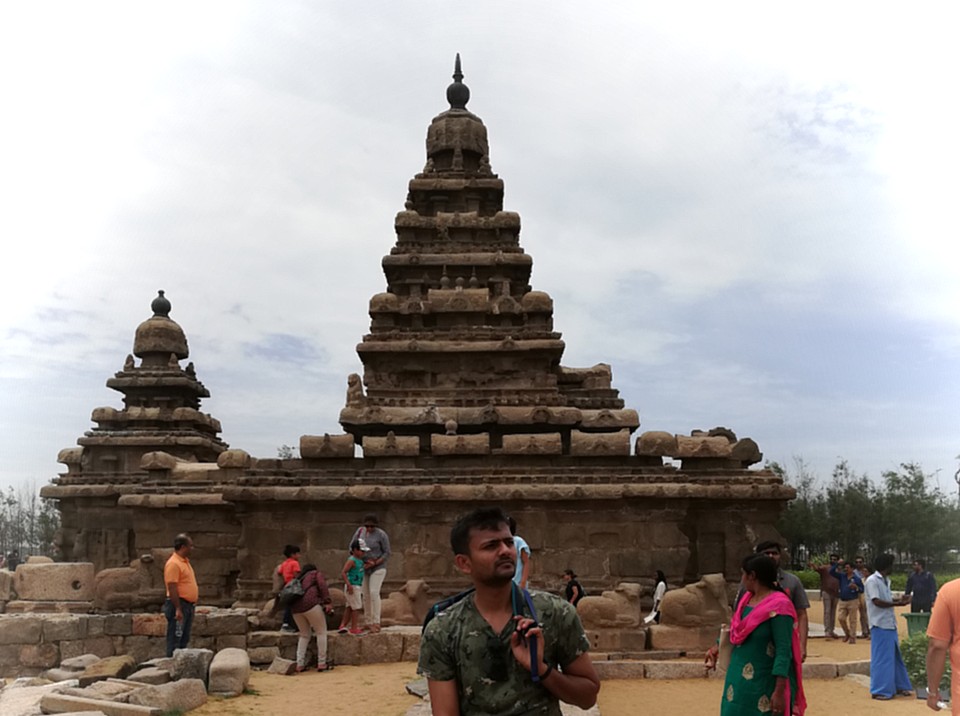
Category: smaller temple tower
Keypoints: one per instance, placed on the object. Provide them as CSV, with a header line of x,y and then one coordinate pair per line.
x,y
161,406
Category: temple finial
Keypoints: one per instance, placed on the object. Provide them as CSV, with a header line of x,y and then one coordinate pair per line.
x,y
161,305
458,94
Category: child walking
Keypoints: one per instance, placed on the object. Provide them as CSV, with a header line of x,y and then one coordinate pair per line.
x,y
352,574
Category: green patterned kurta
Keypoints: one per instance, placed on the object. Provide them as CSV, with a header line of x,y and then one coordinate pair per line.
x,y
456,645
755,665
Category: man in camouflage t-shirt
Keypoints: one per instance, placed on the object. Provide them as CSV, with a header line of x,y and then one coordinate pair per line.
x,y
474,655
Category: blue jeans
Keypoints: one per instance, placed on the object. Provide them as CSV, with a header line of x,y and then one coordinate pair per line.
x,y
174,642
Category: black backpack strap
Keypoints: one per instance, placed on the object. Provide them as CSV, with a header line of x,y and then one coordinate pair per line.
x,y
533,615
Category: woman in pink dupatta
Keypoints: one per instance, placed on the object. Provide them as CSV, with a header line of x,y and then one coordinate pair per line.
x,y
764,676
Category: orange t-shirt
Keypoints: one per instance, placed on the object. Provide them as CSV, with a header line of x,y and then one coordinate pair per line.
x,y
179,571
289,569
945,625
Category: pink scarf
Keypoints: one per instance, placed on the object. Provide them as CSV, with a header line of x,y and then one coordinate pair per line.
x,y
772,605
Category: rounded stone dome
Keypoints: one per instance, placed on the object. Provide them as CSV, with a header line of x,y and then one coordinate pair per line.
x,y
539,301
384,303
160,334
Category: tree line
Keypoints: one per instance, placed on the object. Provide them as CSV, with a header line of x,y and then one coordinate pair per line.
x,y
905,514
28,523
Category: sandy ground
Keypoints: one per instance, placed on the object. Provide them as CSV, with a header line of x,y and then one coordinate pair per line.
x,y
378,690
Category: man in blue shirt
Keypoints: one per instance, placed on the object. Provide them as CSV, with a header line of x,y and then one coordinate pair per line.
x,y
523,556
923,586
851,587
888,674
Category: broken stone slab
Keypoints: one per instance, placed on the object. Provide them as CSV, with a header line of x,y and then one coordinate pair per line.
x,y
79,663
150,675
178,696
60,704
282,666
418,688
21,698
229,672
58,582
58,675
24,606
674,670
192,664
165,662
113,667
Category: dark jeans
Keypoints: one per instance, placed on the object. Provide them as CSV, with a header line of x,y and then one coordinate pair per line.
x,y
171,614
920,607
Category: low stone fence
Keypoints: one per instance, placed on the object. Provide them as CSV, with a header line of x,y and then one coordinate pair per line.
x,y
33,643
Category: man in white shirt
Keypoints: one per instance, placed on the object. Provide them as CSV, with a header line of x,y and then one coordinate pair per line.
x,y
888,674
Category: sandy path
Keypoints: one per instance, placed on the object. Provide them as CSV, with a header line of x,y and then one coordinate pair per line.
x,y
378,690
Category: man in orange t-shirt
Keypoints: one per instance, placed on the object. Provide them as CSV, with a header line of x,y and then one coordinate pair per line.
x,y
944,633
182,594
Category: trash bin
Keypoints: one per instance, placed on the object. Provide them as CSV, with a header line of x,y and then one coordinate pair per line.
x,y
916,622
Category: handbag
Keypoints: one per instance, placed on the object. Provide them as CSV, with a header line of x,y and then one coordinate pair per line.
x,y
726,649
291,592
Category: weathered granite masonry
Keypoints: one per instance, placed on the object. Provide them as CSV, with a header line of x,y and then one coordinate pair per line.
x,y
462,401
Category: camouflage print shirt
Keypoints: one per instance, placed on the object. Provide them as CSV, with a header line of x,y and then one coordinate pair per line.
x,y
459,644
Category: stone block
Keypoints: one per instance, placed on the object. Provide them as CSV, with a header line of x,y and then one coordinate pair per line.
x,y
64,627
812,670
150,675
79,663
674,670
60,582
38,559
845,668
381,648
231,641
593,444
180,696
620,669
141,648
326,446
345,649
112,667
163,662
265,654
17,629
391,445
9,656
263,638
118,624
57,675
149,625
61,703
95,625
233,459
702,446
40,656
219,623
229,672
682,638
656,443
282,666
411,647
6,585
460,444
539,444
20,606
192,664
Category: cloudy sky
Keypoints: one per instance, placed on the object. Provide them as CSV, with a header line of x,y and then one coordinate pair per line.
x,y
748,210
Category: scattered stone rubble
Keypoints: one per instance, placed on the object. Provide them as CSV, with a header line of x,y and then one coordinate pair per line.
x,y
119,686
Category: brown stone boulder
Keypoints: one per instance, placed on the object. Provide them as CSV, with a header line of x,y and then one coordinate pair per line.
x,y
135,587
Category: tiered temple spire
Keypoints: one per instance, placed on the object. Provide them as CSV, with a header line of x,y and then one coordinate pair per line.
x,y
459,335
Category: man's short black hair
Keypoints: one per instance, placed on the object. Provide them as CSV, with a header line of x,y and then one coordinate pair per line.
x,y
290,550
764,546
883,562
484,518
921,562
181,540
371,519
834,555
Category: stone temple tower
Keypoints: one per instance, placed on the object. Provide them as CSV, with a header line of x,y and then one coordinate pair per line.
x,y
459,342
